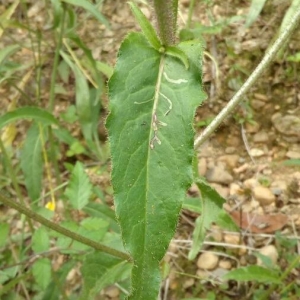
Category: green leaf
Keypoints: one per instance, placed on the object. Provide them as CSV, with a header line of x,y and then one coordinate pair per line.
x,y
32,162
79,188
40,240
90,8
255,9
8,51
100,270
253,273
41,271
176,52
84,106
104,68
146,27
4,231
152,104
27,112
212,204
104,212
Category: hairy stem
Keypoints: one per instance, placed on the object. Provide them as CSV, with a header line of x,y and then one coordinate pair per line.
x,y
264,64
166,16
77,237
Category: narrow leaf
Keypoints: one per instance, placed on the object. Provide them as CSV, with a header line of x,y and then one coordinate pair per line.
x,y
32,162
212,204
152,104
27,112
255,9
8,51
79,188
4,231
146,27
90,8
254,273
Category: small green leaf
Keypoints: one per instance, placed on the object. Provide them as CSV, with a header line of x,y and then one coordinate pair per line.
x,y
212,204
253,273
7,51
104,212
40,240
27,112
4,231
176,52
104,68
32,162
100,270
90,8
146,27
79,188
41,271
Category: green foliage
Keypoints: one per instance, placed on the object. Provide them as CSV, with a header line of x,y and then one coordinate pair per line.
x,y
147,107
32,162
253,273
79,188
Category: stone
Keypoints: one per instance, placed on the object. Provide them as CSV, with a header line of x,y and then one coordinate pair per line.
x,y
223,191
232,239
207,261
255,152
231,160
250,183
235,189
257,104
218,175
269,251
225,264
293,154
252,127
260,137
287,125
188,283
263,195
112,291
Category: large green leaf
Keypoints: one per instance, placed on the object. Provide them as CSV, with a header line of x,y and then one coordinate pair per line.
x,y
152,104
32,162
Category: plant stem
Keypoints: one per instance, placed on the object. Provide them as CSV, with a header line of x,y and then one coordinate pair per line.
x,y
191,10
56,60
77,237
166,16
264,64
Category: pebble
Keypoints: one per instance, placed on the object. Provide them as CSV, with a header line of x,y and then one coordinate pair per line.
x,y
218,175
222,190
230,150
207,261
235,189
252,127
188,283
255,152
231,160
293,154
250,183
287,125
263,195
260,137
112,291
269,251
257,104
225,264
232,239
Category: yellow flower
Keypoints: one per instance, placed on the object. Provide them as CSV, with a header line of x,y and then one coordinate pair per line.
x,y
50,205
